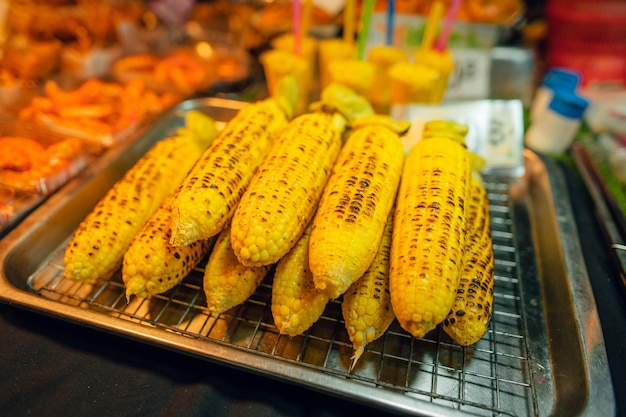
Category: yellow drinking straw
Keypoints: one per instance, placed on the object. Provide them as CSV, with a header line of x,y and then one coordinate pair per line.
x,y
432,25
306,17
349,12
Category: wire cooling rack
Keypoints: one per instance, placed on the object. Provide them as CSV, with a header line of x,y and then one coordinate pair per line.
x,y
493,377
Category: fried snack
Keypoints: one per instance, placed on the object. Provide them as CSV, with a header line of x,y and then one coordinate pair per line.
x,y
28,167
97,111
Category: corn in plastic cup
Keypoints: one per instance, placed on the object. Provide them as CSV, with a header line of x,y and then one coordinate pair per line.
x,y
278,64
330,50
358,75
383,57
442,62
414,83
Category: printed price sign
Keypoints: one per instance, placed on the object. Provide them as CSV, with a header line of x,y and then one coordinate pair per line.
x,y
496,129
471,76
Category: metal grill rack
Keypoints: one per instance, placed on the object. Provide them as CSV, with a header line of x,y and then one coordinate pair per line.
x,y
491,378
543,353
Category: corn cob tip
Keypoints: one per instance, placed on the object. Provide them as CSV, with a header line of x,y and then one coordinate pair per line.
x,y
399,127
465,336
333,287
136,286
344,100
291,326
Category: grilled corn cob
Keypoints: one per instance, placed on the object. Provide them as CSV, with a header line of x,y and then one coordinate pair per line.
x,y
296,304
469,318
355,205
207,198
227,283
283,195
366,306
97,248
429,233
151,265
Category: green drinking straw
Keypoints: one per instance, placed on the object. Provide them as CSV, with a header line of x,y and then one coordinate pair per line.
x,y
366,18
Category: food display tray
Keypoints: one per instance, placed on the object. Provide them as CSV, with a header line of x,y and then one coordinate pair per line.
x,y
543,353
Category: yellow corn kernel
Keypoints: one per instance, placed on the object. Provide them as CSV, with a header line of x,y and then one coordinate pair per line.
x,y
429,233
151,265
207,198
227,283
366,306
354,208
98,246
296,304
469,318
283,195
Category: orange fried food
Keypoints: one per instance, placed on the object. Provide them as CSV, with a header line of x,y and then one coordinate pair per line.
x,y
492,11
6,204
19,154
96,109
28,166
182,71
136,63
186,71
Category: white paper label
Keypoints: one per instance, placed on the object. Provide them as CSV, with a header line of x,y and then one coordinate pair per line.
x,y
496,130
471,76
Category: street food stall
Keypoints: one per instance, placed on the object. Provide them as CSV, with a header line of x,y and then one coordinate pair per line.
x,y
309,208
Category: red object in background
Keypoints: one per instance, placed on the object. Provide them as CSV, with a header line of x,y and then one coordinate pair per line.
x,y
589,36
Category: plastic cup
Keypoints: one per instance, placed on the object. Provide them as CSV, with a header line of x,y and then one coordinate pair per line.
x,y
278,64
330,50
413,83
355,74
442,62
286,42
383,57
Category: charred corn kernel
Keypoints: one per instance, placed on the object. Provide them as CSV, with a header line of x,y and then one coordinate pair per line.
x,y
207,198
97,248
283,195
469,318
354,208
296,304
227,283
429,233
366,306
151,265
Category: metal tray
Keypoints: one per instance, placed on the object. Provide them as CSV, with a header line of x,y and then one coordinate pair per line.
x,y
543,354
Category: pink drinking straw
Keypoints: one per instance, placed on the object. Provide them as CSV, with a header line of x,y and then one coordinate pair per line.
x,y
441,43
296,25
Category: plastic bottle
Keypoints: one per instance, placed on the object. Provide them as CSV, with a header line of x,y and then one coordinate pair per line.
x,y
556,79
553,131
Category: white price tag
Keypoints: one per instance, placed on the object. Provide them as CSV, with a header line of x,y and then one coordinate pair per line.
x,y
471,76
496,129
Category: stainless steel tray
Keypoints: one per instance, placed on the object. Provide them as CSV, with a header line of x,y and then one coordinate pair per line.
x,y
543,354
